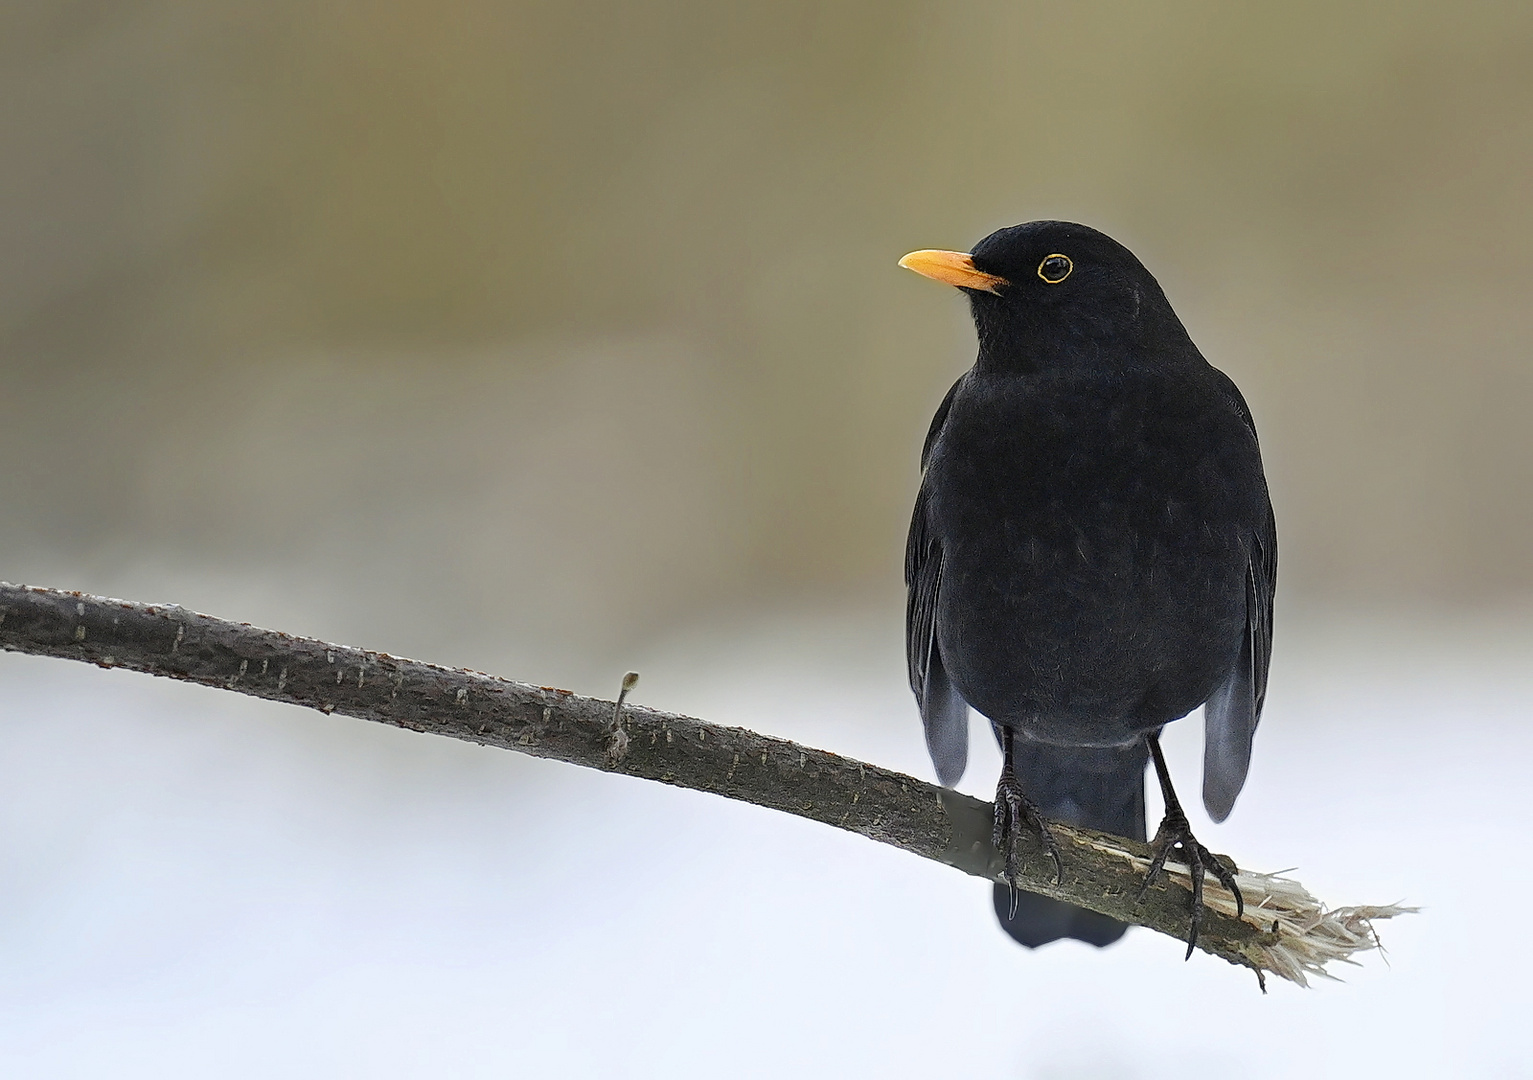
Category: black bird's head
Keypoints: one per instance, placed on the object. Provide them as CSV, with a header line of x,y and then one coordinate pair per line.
x,y
1053,293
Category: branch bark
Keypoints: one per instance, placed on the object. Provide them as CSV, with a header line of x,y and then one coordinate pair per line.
x,y
1286,931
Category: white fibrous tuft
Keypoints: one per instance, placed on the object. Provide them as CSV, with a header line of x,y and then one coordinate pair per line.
x,y
1304,935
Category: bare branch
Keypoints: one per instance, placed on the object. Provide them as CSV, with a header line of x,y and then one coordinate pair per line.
x,y
1286,931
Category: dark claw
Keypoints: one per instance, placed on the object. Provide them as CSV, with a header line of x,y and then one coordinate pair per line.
x,y
1175,835
1012,808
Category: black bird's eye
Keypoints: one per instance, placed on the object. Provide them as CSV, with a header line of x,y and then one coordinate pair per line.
x,y
1055,268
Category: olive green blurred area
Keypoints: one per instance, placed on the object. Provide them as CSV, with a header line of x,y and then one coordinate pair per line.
x,y
571,322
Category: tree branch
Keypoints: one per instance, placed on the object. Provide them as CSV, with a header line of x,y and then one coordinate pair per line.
x,y
1286,931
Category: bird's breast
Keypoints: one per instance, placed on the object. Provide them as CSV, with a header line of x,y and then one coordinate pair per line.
x,y
1094,549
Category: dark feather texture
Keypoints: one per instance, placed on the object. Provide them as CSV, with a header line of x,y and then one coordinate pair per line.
x,y
1092,553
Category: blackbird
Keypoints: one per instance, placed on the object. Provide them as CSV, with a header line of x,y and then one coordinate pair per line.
x,y
1092,556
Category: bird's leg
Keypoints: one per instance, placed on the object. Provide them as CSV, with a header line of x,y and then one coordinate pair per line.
x,y
1175,835
1012,807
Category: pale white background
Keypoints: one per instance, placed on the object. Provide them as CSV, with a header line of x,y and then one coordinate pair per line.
x,y
196,884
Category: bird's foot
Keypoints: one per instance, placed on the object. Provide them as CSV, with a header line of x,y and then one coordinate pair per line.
x,y
1175,836
1012,808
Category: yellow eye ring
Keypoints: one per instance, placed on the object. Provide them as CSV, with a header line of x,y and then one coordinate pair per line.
x,y
1055,268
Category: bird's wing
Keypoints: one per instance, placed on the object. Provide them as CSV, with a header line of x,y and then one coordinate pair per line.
x,y
1234,709
943,710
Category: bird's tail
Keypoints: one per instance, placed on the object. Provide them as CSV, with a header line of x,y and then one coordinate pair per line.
x,y
1098,787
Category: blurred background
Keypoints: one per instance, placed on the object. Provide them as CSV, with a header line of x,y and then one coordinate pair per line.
x,y
559,339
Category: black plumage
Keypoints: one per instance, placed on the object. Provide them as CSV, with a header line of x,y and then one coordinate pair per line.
x,y
1092,553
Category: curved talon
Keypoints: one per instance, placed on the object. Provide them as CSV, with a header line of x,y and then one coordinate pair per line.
x,y
1175,834
1008,818
1047,836
1227,879
1195,864
1012,808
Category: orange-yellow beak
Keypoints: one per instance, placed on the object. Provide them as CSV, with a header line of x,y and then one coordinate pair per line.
x,y
953,268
